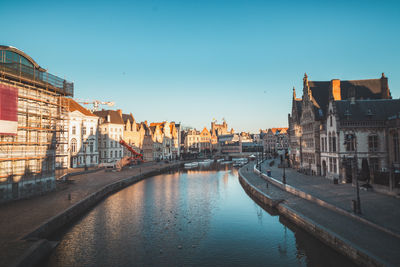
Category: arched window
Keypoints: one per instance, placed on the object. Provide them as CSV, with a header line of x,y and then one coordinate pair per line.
x,y
330,142
396,147
333,142
73,145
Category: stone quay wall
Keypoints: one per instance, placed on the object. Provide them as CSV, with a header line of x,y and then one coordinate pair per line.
x,y
338,243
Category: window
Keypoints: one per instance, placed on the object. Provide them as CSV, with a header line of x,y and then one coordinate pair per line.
x,y
73,145
111,154
73,129
84,130
91,131
350,142
396,148
373,143
330,142
120,154
105,154
334,165
333,143
91,146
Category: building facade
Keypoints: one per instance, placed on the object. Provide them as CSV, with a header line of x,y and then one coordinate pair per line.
x,y
339,126
33,125
275,140
110,132
133,134
83,140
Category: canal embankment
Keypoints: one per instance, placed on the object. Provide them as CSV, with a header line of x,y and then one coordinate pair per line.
x,y
364,244
27,224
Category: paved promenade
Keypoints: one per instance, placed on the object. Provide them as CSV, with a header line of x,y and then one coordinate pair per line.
x,y
22,217
379,244
378,208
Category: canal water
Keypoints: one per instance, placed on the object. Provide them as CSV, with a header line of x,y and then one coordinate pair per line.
x,y
187,218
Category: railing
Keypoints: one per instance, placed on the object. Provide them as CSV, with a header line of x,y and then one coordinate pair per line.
x,y
47,79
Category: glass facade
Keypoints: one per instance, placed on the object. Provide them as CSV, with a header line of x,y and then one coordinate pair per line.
x,y
17,65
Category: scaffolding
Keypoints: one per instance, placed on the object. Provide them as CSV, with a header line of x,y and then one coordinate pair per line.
x,y
29,158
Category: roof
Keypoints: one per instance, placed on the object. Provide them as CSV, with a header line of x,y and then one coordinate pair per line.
x,y
360,89
115,116
21,53
281,130
74,106
367,110
126,117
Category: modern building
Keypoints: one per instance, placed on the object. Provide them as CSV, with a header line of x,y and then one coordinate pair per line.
x,y
33,125
229,143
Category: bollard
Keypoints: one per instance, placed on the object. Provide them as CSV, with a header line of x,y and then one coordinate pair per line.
x,y
354,205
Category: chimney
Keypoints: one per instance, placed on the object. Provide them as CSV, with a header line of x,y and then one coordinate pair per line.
x,y
119,112
335,90
385,87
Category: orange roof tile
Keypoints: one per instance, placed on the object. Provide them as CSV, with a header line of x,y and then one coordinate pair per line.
x,y
73,105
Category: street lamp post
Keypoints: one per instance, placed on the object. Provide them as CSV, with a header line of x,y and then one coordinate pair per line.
x,y
283,161
284,172
351,139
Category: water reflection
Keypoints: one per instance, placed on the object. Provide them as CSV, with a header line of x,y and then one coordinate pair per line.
x,y
192,217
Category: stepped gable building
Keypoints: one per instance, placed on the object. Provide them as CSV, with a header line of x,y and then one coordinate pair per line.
x,y
33,125
205,140
309,114
82,136
153,143
275,139
133,133
111,131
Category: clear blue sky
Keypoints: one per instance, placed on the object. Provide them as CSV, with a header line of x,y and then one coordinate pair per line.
x,y
192,61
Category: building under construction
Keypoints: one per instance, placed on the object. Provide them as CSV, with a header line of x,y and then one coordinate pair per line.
x,y
33,125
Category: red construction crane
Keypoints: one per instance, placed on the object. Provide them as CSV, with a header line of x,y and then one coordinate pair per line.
x,y
135,155
127,160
